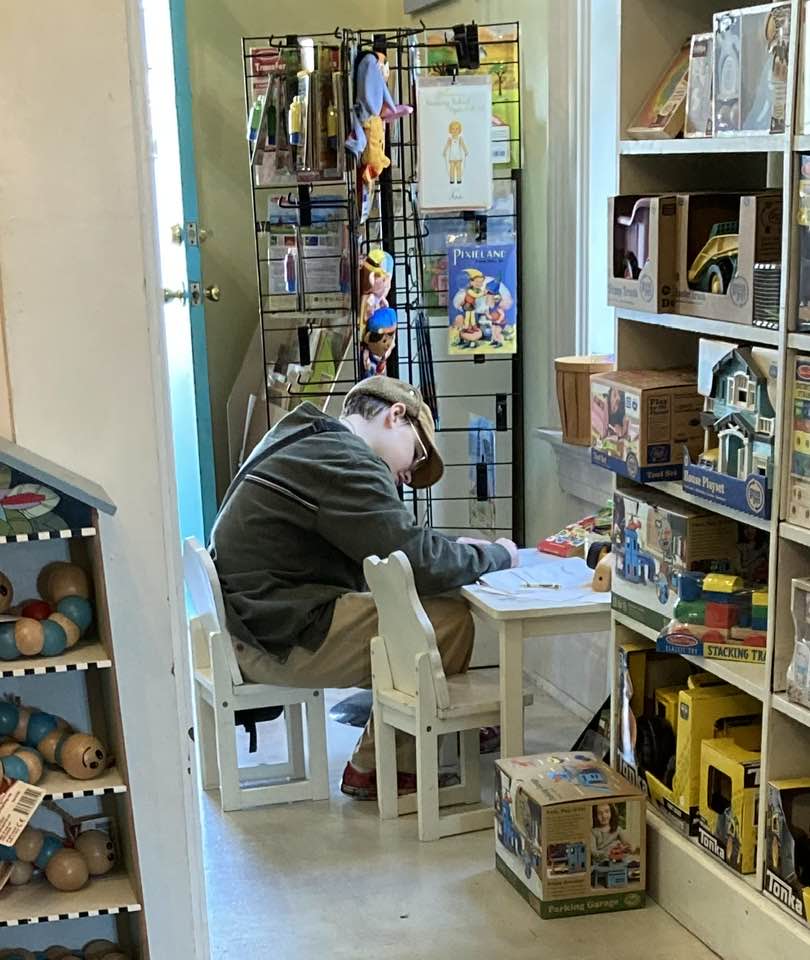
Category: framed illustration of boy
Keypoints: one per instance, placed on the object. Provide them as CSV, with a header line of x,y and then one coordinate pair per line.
x,y
482,307
454,119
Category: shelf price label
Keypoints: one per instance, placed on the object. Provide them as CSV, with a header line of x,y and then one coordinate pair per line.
x,y
18,803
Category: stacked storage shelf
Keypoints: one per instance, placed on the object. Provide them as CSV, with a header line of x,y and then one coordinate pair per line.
x,y
79,685
737,915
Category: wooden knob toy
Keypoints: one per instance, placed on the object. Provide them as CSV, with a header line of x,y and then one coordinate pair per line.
x,y
48,626
94,950
42,737
65,867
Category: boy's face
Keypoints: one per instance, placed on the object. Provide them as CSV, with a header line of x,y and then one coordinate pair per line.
x,y
394,438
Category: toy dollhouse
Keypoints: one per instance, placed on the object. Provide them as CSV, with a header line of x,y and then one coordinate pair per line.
x,y
739,422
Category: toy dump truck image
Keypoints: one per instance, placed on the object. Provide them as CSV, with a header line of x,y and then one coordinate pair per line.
x,y
716,264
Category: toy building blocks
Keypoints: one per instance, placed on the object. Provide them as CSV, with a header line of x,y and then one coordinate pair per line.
x,y
738,385
655,539
569,834
642,419
642,253
719,618
729,796
721,237
787,844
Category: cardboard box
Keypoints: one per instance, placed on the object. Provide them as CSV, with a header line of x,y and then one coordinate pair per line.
x,y
787,857
700,87
729,795
721,236
702,712
641,252
751,69
798,510
739,387
656,538
641,420
569,834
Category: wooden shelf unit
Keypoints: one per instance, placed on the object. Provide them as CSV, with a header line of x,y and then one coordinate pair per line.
x,y
730,913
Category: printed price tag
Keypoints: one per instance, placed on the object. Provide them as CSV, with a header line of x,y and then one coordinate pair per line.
x,y
18,803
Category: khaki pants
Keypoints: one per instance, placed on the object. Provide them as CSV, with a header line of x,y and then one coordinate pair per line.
x,y
344,660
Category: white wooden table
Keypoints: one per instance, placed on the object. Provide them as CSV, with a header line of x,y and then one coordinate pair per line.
x,y
573,609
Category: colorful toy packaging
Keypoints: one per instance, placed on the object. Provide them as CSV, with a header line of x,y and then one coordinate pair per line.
x,y
799,489
569,834
798,672
572,541
656,539
735,469
787,842
641,253
641,420
724,242
729,796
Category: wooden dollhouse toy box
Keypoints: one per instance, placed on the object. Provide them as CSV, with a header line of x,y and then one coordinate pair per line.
x,y
570,834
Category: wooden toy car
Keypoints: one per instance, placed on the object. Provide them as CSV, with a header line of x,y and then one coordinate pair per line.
x,y
715,265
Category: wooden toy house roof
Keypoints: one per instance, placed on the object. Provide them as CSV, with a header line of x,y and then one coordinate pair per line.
x,y
51,474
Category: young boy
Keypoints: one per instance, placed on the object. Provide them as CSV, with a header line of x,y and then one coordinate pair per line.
x,y
316,497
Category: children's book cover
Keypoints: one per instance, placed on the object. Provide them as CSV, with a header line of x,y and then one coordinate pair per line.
x,y
482,297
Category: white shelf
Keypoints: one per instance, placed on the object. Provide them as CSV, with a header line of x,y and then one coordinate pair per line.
x,y
723,909
674,489
81,657
767,143
799,341
709,328
802,143
62,787
748,677
796,711
39,902
791,531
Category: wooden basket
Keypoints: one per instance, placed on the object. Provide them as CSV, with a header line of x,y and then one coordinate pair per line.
x,y
574,394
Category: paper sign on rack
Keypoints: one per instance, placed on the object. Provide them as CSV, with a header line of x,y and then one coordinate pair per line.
x,y
18,803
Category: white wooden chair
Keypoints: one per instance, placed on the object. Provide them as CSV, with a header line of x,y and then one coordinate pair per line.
x,y
412,694
220,690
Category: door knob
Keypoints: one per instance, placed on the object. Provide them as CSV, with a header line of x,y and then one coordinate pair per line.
x,y
177,233
212,293
169,295
205,233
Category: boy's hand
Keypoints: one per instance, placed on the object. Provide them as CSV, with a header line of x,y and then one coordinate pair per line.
x,y
511,549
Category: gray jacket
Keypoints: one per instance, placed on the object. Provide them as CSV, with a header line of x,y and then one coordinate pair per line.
x,y
311,503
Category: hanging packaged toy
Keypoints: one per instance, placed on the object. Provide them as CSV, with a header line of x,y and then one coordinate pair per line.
x,y
378,321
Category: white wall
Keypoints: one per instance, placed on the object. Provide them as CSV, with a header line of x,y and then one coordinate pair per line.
x,y
87,376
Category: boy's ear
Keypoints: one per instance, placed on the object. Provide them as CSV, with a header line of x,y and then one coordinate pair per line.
x,y
396,412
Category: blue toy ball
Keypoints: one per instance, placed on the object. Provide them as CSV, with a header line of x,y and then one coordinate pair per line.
x,y
15,768
8,644
77,609
9,718
54,639
39,726
50,845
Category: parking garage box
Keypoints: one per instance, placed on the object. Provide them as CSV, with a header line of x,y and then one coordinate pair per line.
x,y
729,255
641,253
569,834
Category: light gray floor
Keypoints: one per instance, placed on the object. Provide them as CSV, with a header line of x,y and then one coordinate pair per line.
x,y
328,880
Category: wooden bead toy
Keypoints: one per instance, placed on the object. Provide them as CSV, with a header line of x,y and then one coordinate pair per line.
x,y
43,736
97,850
65,867
47,627
101,950
94,950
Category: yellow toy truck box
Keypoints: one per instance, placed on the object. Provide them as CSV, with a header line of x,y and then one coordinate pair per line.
x,y
728,246
569,834
704,712
729,794
787,843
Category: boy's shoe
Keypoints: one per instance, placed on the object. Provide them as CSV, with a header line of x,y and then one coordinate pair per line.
x,y
361,785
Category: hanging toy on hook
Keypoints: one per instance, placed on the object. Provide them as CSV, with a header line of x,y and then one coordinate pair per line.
x,y
374,105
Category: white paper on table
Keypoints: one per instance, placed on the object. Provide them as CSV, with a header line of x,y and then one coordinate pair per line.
x,y
571,573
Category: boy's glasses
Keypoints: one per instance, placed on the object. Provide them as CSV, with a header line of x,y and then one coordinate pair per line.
x,y
421,454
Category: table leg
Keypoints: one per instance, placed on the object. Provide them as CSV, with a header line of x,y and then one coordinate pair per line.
x,y
510,633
